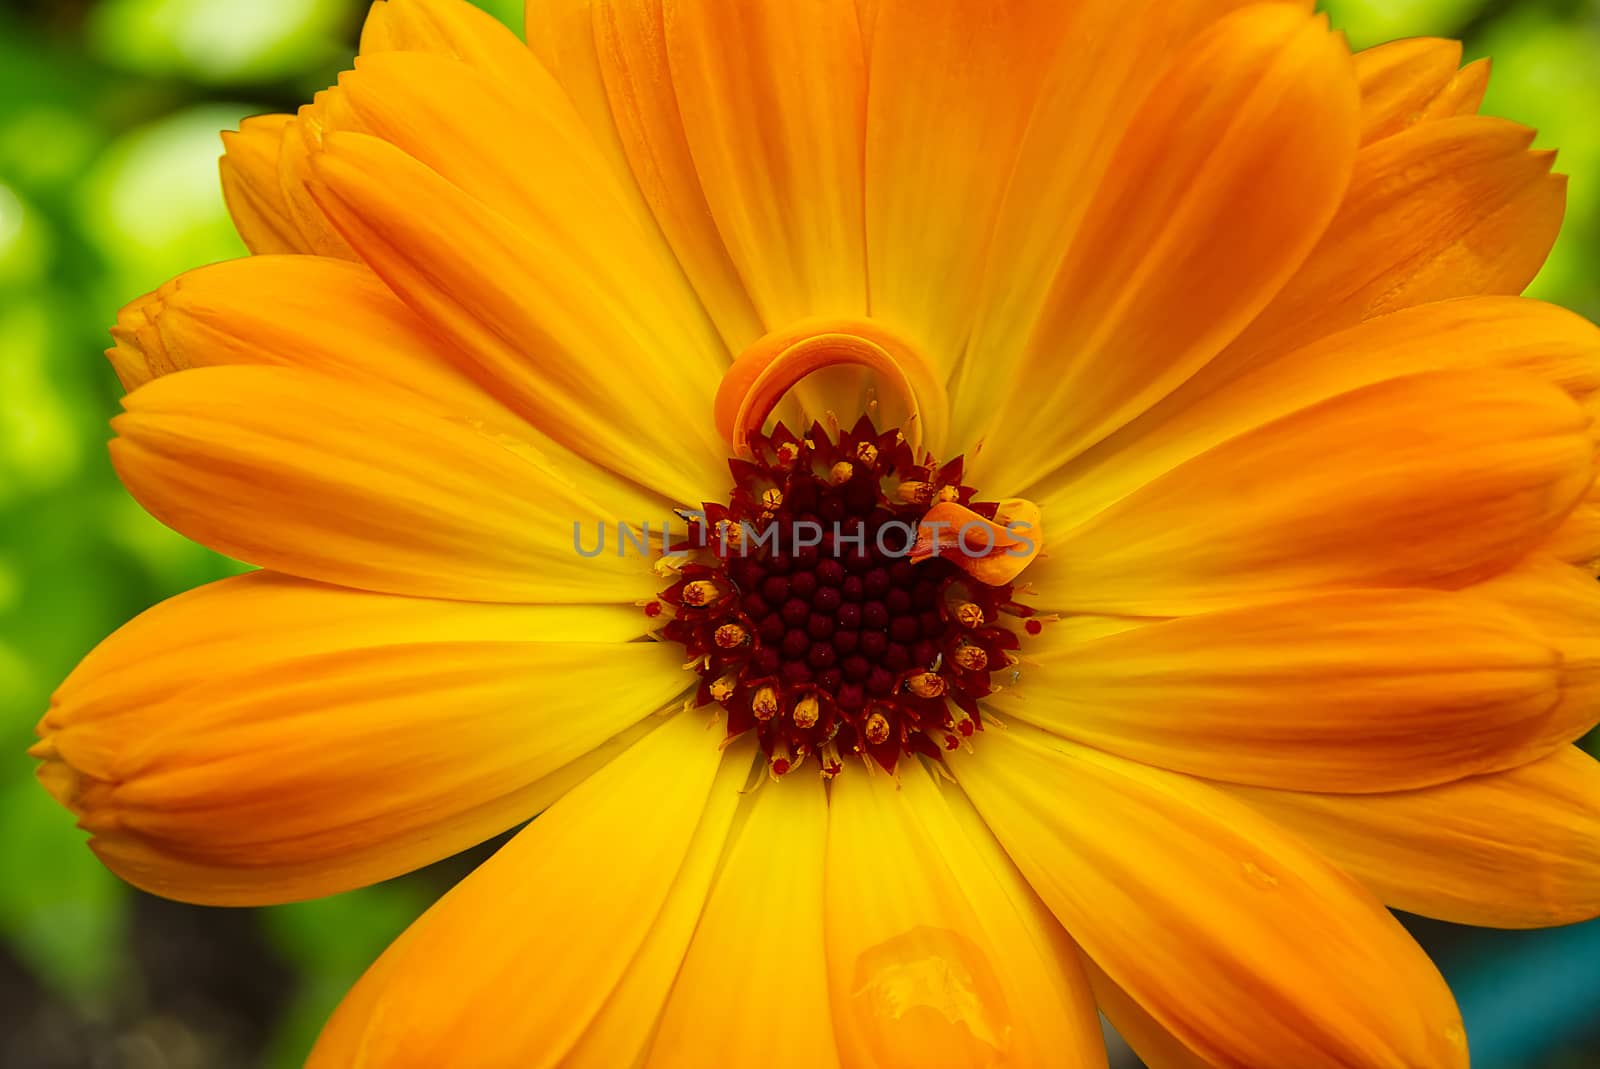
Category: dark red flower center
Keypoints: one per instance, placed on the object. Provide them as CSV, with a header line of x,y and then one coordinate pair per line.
x,y
806,618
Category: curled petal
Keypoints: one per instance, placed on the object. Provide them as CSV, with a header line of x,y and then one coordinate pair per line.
x,y
768,370
994,551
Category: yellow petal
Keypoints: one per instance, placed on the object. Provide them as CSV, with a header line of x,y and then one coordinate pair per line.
x,y
611,57
773,99
302,473
1435,479
939,955
753,989
1445,209
1251,132
266,738
250,186
566,904
1196,906
1507,333
951,83
1517,849
550,318
1356,691
620,1033
1400,79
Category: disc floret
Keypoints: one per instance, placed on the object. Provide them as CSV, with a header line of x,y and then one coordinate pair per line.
x,y
806,618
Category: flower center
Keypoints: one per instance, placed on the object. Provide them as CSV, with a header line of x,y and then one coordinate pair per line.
x,y
848,599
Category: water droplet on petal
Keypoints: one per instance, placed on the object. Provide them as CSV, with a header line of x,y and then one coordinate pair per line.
x,y
930,999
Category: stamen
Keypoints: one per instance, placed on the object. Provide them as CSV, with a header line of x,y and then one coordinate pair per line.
x,y
806,713
723,687
831,765
765,704
730,534
969,614
780,761
877,729
913,492
701,592
971,657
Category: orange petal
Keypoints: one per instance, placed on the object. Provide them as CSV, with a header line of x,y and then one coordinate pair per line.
x,y
551,320
1434,479
950,83
138,353
1445,209
1563,604
556,69
305,474
753,989
939,955
454,989
527,156
611,57
1156,1047
1462,95
1360,691
1195,906
1518,849
449,28
452,29
250,186
265,738
1508,333
1577,540
1082,114
1400,80
772,99
993,552
1252,132
322,314
301,138
336,318
518,149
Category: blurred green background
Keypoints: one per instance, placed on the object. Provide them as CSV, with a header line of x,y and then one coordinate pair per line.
x,y
109,114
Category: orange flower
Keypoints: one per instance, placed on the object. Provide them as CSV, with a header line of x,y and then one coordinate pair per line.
x,y
1270,598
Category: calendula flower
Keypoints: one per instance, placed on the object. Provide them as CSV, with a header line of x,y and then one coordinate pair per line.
x,y
1096,525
